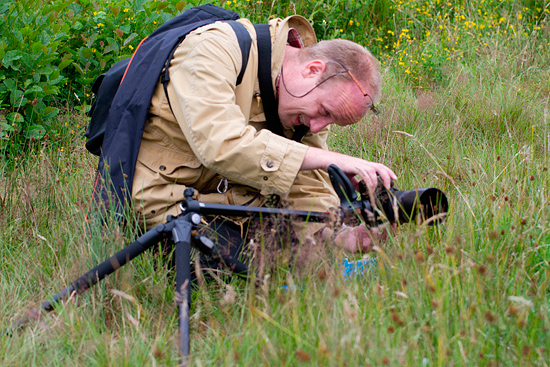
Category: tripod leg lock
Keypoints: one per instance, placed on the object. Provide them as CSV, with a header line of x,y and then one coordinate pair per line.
x,y
204,245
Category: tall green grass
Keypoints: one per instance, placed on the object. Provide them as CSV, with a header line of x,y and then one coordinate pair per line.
x,y
471,292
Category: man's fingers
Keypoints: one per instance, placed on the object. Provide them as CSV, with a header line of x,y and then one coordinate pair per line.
x,y
355,182
386,179
369,177
386,175
375,172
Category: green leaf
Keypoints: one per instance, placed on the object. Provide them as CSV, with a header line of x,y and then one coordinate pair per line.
x,y
166,17
47,70
77,26
49,58
5,127
10,58
181,5
138,5
75,7
130,38
161,6
34,89
59,36
36,48
125,28
50,90
11,84
45,38
18,36
91,39
86,52
50,112
115,10
108,49
78,68
14,117
64,63
35,131
17,99
57,80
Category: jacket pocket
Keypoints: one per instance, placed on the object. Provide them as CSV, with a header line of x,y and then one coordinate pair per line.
x,y
170,165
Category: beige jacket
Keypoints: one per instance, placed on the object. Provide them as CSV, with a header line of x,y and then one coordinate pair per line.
x,y
217,130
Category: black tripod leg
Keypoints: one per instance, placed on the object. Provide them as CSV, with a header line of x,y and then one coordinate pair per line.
x,y
181,236
95,275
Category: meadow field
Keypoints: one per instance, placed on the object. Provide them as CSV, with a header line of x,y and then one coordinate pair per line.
x,y
465,108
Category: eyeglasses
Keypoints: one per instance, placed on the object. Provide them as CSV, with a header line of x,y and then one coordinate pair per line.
x,y
372,107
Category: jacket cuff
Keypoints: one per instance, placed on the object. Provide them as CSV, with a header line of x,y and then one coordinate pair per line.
x,y
280,164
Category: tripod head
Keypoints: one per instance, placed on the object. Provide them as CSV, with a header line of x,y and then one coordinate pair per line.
x,y
393,205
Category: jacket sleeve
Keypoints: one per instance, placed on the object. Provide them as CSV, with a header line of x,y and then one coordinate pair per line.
x,y
202,94
312,190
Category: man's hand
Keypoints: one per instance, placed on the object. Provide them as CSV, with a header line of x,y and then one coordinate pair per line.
x,y
359,238
320,159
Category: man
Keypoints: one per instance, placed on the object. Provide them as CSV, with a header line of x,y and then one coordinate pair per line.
x,y
212,136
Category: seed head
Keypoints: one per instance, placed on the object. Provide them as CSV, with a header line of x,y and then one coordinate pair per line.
x,y
482,269
302,356
489,316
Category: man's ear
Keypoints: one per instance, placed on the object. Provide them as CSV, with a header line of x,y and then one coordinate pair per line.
x,y
314,68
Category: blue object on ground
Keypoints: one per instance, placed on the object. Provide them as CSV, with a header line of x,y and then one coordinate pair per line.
x,y
358,267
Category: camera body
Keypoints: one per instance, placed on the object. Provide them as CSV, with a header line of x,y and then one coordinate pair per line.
x,y
425,205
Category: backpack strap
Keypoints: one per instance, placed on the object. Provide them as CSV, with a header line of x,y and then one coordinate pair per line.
x,y
266,85
244,43
266,82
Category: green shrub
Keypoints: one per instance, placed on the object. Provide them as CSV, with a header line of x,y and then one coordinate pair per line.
x,y
50,55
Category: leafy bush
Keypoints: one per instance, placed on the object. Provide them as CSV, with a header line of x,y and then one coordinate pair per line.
x,y
51,54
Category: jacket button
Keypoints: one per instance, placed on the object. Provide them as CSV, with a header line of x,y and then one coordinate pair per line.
x,y
162,168
269,164
265,178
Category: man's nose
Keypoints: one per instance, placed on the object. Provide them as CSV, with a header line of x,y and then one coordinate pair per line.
x,y
317,124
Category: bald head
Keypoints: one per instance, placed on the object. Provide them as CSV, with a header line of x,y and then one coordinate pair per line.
x,y
357,59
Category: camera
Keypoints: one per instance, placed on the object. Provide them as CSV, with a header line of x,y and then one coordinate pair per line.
x,y
424,205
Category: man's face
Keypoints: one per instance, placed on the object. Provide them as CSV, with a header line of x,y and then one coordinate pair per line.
x,y
339,103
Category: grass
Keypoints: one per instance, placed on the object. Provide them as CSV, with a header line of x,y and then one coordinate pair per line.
x,y
474,291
